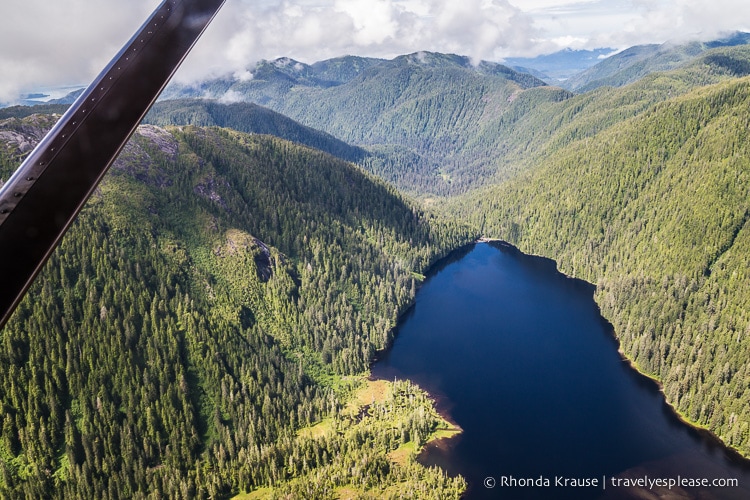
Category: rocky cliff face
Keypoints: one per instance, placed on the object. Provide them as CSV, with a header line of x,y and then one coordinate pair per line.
x,y
20,136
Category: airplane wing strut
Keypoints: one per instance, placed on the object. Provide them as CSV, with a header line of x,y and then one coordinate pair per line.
x,y
42,198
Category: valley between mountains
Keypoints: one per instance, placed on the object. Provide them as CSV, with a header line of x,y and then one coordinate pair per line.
x,y
205,327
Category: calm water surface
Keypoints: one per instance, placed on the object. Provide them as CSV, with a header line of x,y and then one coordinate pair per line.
x,y
519,357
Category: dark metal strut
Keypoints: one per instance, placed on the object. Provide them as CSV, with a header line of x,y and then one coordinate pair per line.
x,y
43,197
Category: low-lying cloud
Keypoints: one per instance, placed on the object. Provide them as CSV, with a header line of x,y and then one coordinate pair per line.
x,y
65,42
44,44
311,31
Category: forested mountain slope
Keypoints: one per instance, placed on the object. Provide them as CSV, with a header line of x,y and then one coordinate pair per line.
x,y
654,211
634,63
270,81
212,299
24,111
251,118
243,117
416,113
540,121
485,137
436,125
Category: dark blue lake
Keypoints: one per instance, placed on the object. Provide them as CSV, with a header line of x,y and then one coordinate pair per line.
x,y
519,357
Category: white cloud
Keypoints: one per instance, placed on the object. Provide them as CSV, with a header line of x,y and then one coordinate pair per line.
x,y
312,31
623,23
482,29
45,43
679,19
546,5
230,97
374,21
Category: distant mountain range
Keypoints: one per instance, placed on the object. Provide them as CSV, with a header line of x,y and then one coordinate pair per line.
x,y
269,83
559,66
426,122
421,110
430,121
636,62
577,70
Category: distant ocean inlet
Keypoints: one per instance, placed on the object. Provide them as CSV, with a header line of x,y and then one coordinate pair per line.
x,y
520,358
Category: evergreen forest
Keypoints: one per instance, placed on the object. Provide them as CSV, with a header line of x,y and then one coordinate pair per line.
x,y
206,328
168,351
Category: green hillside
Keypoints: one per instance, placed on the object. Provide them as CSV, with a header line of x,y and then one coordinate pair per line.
x,y
435,125
216,296
654,211
634,63
24,111
425,107
343,69
251,118
540,121
204,328
240,116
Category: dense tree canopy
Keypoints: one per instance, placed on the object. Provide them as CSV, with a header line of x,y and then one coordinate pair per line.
x,y
202,329
654,211
203,309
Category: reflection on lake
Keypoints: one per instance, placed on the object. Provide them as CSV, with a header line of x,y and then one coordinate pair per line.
x,y
519,357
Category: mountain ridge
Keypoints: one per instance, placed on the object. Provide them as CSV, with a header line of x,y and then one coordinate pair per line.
x,y
636,62
654,211
423,105
251,118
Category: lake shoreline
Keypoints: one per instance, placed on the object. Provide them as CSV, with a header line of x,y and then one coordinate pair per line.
x,y
732,453
443,406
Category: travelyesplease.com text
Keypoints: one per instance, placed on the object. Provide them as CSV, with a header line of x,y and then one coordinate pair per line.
x,y
605,482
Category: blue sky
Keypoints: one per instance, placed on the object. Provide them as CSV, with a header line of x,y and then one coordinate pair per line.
x,y
65,42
